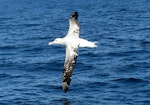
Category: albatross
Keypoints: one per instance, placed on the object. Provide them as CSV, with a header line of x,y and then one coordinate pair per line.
x,y
72,42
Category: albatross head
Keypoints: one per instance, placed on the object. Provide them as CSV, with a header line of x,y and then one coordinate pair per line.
x,y
56,41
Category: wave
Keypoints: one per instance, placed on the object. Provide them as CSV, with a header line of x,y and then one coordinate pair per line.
x,y
131,80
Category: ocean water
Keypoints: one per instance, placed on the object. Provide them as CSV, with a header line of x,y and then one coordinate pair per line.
x,y
115,73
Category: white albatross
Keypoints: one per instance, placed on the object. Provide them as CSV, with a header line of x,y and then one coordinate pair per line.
x,y
72,42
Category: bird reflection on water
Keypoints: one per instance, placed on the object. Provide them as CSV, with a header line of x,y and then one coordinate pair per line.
x,y
65,101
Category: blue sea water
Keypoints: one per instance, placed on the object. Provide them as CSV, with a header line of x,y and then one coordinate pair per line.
x,y
115,73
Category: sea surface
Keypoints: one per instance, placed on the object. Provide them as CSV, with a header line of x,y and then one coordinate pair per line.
x,y
117,72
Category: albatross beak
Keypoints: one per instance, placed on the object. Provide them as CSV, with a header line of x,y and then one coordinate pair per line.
x,y
50,43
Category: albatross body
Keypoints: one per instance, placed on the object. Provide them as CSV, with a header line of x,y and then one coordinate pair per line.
x,y
72,42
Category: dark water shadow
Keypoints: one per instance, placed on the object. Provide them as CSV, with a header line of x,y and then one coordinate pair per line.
x,y
65,101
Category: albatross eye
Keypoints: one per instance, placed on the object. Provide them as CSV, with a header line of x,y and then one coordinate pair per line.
x,y
56,40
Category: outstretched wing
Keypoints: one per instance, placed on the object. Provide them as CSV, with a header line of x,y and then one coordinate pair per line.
x,y
74,25
70,61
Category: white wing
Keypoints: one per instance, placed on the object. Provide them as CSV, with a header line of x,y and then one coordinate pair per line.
x,y
70,61
74,25
71,50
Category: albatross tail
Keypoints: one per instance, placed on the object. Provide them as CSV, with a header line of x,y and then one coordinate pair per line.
x,y
86,43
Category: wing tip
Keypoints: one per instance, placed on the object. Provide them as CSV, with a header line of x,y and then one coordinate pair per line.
x,y
65,86
74,15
